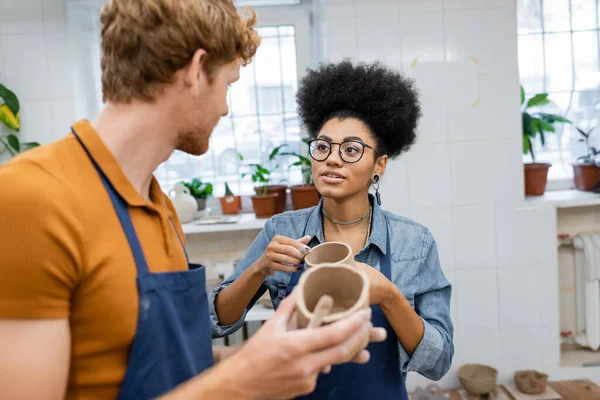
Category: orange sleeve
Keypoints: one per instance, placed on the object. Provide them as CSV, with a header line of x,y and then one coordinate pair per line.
x,y
38,242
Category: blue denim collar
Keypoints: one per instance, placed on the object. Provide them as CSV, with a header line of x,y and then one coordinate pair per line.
x,y
314,226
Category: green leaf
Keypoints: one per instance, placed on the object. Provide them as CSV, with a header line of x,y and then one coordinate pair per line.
x,y
240,156
547,126
538,100
275,151
535,127
553,118
10,99
522,95
526,145
29,145
542,138
13,141
262,170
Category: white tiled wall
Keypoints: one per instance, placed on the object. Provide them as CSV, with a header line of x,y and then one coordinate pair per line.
x,y
35,64
463,179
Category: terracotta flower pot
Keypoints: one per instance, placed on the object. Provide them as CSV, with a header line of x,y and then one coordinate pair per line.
x,y
330,253
347,286
478,379
231,205
536,177
281,190
265,206
585,176
530,381
304,196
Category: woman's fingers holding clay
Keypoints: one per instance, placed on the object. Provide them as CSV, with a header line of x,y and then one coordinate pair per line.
x,y
295,255
377,335
301,244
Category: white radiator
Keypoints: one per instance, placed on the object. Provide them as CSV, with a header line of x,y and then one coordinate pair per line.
x,y
587,289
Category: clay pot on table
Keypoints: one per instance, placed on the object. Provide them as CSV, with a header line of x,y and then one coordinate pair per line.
x,y
478,379
585,176
265,206
231,205
304,196
536,178
531,381
330,253
281,191
347,286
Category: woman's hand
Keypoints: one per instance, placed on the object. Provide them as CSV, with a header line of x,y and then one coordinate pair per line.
x,y
381,289
282,254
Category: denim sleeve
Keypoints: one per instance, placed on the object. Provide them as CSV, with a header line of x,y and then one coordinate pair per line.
x,y
433,356
257,248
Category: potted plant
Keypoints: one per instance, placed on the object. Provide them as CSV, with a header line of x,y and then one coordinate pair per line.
x,y
10,117
263,203
534,124
281,190
230,204
305,195
586,169
199,190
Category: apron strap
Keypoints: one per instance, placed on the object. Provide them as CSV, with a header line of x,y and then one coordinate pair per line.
x,y
385,266
123,213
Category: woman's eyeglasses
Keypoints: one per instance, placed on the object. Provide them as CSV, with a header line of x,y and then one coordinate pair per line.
x,y
351,151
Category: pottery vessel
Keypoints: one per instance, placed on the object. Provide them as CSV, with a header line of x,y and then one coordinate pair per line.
x,y
330,253
185,204
346,284
478,379
531,381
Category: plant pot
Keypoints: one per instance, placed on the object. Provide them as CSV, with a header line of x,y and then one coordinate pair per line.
x,y
231,205
347,285
536,177
304,196
478,379
265,206
585,176
201,203
531,381
330,253
281,190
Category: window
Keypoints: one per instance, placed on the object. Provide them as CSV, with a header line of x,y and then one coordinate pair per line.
x,y
559,54
262,112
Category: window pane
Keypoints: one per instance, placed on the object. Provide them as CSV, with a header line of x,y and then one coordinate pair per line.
x,y
268,76
529,16
243,93
586,60
556,15
531,63
286,30
584,14
558,62
289,72
267,32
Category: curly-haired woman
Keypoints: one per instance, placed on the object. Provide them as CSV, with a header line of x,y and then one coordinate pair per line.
x,y
359,117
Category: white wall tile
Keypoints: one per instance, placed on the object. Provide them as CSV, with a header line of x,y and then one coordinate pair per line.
x,y
21,17
433,124
394,186
497,52
475,4
519,297
476,298
480,346
419,6
486,172
428,175
439,221
474,236
341,38
523,236
25,66
422,38
519,349
379,39
36,121
377,7
60,66
55,16
63,116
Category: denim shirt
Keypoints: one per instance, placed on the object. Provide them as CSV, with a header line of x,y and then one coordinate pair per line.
x,y
416,272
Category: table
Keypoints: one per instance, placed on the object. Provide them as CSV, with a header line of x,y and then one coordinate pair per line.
x,y
569,390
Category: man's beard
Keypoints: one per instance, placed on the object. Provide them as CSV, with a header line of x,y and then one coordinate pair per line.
x,y
191,143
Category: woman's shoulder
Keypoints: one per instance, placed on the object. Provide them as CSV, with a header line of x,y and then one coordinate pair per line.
x,y
414,236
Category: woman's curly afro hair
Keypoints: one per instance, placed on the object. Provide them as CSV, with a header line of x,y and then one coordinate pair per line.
x,y
378,96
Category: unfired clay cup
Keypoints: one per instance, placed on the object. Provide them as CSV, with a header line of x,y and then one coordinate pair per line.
x,y
330,253
346,284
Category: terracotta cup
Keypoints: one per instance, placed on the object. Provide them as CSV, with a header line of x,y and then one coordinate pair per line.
x,y
330,253
347,285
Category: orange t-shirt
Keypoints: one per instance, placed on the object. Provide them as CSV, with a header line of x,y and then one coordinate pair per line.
x,y
64,253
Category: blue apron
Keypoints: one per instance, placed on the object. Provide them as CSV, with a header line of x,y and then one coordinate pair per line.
x,y
173,340
380,378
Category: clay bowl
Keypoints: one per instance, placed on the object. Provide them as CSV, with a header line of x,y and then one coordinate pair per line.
x,y
531,381
330,253
478,379
347,285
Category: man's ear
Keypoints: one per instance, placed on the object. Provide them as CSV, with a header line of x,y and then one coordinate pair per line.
x,y
194,75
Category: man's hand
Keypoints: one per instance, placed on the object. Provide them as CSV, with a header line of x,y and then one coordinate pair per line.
x,y
279,363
